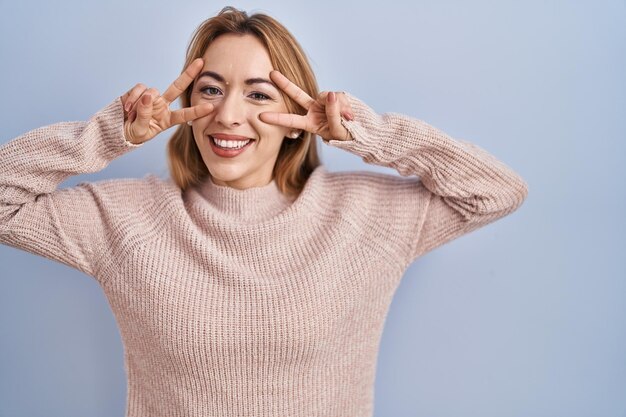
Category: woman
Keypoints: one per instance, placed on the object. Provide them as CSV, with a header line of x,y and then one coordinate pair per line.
x,y
253,282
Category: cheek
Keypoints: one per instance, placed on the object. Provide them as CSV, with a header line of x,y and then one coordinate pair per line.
x,y
270,133
266,130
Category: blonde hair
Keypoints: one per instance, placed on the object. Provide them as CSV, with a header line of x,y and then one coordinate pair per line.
x,y
297,158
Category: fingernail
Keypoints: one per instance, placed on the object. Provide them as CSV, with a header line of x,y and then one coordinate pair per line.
x,y
349,116
331,97
127,105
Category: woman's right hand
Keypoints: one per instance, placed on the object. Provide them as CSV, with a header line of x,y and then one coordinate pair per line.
x,y
146,113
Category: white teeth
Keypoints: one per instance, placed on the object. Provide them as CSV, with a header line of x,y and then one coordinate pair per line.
x,y
230,143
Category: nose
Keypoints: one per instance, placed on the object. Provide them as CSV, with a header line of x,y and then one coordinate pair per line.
x,y
229,111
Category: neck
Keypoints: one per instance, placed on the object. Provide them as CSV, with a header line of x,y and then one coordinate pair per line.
x,y
251,203
242,183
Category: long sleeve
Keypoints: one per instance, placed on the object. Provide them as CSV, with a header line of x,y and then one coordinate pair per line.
x,y
460,187
67,224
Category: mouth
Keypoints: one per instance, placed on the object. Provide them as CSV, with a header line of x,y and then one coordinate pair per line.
x,y
229,145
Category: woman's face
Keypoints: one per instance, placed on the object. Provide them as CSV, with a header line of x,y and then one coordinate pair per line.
x,y
235,79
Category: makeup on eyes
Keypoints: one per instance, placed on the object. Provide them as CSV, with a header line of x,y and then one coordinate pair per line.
x,y
204,89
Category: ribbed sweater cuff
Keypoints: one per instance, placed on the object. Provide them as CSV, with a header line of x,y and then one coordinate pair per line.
x,y
112,117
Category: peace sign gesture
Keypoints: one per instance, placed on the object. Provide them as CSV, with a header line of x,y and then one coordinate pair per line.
x,y
146,113
323,116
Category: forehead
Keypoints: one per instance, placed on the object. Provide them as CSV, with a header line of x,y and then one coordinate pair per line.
x,y
237,57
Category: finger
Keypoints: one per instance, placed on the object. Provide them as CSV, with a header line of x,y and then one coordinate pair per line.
x,y
292,90
152,92
334,117
181,83
294,121
344,105
144,115
190,113
347,114
132,95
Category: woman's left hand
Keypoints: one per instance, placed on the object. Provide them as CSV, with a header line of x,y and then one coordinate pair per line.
x,y
323,116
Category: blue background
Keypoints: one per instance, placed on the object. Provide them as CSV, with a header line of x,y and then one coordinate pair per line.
x,y
524,317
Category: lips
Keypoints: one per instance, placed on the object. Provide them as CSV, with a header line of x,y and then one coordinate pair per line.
x,y
224,136
229,152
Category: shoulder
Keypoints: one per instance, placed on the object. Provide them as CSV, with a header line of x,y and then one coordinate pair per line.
x,y
374,190
379,202
149,185
144,195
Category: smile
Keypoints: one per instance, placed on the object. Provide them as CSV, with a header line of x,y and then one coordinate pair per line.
x,y
228,146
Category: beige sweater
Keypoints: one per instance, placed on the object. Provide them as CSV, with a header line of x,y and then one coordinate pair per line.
x,y
243,302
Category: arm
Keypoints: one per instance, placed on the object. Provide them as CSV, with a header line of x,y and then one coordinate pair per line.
x,y
68,225
461,186
465,186
65,225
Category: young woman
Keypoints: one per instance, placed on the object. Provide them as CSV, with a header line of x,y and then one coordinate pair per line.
x,y
253,282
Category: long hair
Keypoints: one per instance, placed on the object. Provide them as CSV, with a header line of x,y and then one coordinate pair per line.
x,y
297,158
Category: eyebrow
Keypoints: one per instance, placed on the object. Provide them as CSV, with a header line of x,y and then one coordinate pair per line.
x,y
249,81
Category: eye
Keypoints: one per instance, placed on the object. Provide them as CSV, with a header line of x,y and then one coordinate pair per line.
x,y
260,96
209,90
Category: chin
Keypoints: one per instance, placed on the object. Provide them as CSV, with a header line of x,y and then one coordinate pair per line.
x,y
226,175
221,176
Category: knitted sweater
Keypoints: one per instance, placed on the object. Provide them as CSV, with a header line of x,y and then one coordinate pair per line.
x,y
245,302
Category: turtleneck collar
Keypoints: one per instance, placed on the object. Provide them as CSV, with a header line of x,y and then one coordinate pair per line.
x,y
255,203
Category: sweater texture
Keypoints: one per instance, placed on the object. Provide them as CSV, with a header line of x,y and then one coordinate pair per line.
x,y
246,302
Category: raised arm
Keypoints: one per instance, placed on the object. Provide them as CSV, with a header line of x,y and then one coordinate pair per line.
x,y
466,187
68,225
63,224
458,188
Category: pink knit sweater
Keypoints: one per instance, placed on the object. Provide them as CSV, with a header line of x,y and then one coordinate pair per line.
x,y
244,302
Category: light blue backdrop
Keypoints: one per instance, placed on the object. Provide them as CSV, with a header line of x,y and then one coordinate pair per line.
x,y
525,317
